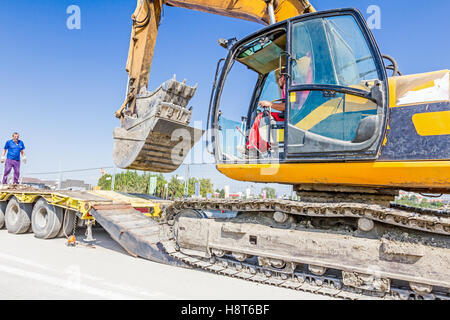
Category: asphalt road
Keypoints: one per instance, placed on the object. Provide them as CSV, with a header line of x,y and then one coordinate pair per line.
x,y
32,268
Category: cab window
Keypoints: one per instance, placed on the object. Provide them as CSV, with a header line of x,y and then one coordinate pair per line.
x,y
331,51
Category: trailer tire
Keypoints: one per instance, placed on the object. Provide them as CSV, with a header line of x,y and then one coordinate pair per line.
x,y
67,224
2,213
18,216
46,220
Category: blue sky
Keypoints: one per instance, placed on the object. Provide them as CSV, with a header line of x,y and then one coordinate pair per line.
x,y
59,87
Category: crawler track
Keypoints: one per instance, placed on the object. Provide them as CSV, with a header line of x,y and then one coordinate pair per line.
x,y
301,281
429,221
332,282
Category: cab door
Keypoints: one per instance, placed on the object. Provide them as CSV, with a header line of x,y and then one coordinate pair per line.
x,y
337,91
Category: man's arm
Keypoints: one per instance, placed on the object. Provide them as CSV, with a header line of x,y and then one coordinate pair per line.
x,y
22,152
3,155
277,106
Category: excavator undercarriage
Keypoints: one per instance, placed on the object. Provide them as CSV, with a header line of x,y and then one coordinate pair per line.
x,y
343,250
346,250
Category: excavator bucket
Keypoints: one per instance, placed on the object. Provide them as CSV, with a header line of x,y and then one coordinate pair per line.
x,y
158,137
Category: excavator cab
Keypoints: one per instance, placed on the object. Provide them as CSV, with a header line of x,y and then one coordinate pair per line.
x,y
335,96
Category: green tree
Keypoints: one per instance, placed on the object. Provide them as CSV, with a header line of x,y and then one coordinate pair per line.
x,y
130,181
160,185
176,188
270,193
133,182
191,186
206,187
105,182
221,193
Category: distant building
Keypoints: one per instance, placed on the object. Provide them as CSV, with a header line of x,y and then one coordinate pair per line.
x,y
40,184
227,191
68,184
79,185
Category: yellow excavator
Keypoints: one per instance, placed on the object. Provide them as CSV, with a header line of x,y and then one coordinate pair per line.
x,y
347,137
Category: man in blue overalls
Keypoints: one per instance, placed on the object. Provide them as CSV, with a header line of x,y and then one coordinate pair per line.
x,y
15,149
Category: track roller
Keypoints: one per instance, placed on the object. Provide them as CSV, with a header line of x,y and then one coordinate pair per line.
x,y
280,217
277,263
317,270
420,288
240,256
365,224
218,253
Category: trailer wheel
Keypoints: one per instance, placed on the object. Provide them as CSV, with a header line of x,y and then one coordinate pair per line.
x,y
2,214
46,220
17,216
67,224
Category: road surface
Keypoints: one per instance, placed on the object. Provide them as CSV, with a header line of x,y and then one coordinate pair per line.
x,y
32,268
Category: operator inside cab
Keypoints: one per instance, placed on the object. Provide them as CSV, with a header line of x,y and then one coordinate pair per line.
x,y
256,140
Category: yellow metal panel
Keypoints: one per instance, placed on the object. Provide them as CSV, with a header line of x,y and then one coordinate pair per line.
x,y
291,8
399,86
54,198
392,92
293,97
134,201
417,174
82,206
426,85
432,123
280,135
252,10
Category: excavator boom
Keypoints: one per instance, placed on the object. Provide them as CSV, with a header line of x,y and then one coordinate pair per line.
x,y
149,120
147,16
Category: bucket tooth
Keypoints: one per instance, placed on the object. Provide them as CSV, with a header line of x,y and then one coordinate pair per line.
x,y
158,137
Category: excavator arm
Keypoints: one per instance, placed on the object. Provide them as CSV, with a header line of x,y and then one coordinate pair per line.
x,y
147,16
155,134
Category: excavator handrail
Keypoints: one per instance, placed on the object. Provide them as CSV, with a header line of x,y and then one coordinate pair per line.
x,y
209,120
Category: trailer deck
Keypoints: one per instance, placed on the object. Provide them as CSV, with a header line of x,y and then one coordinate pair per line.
x,y
130,219
82,202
